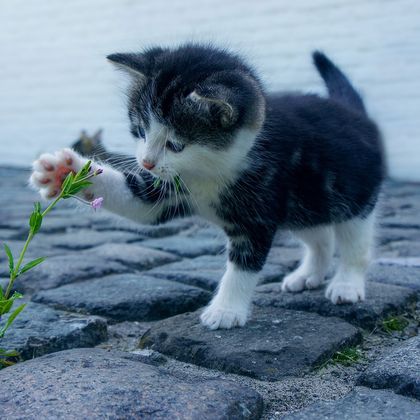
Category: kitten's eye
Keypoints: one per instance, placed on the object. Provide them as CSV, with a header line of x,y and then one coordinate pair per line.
x,y
141,133
175,147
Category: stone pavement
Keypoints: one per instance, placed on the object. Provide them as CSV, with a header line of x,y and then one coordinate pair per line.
x,y
111,327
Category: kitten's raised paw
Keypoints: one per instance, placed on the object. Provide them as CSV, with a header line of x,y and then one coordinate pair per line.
x,y
345,291
215,317
50,170
298,281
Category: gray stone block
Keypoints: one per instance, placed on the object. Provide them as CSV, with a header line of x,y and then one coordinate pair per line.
x,y
132,255
96,262
188,246
362,403
207,270
398,274
95,383
274,344
39,330
86,238
126,297
398,370
60,270
381,301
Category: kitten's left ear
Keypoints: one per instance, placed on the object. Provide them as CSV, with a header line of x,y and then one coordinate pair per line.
x,y
134,64
215,102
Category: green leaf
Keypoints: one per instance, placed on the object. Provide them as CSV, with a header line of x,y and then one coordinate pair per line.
x,y
10,257
84,171
177,181
77,187
157,182
35,220
31,264
67,182
6,304
8,353
11,318
5,355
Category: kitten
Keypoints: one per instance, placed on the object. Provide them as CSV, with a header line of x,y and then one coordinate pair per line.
x,y
249,161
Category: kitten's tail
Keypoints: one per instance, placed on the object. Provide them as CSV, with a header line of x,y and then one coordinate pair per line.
x,y
339,87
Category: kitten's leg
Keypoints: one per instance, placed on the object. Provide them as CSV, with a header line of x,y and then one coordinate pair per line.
x,y
230,307
50,170
319,249
354,240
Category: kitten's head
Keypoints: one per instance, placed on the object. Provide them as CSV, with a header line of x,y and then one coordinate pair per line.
x,y
195,110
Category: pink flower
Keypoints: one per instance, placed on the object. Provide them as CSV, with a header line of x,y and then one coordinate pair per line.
x,y
97,203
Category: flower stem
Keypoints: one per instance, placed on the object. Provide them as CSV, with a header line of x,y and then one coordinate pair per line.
x,y
49,208
14,274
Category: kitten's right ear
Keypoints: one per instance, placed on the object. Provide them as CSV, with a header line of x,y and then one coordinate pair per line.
x,y
134,64
97,137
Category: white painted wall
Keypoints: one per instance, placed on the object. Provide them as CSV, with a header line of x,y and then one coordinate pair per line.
x,y
55,81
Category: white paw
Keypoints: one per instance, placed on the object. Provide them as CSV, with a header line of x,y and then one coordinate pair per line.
x,y
50,170
215,316
346,290
299,280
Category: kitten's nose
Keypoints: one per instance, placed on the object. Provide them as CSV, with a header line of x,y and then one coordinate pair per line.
x,y
148,165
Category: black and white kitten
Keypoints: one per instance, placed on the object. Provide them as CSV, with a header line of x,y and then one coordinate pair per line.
x,y
249,161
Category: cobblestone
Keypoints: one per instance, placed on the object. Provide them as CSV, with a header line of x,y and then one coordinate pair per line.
x,y
126,297
97,383
276,342
381,300
398,370
40,330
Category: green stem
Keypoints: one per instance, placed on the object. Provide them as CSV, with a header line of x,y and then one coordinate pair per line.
x,y
13,274
31,235
49,208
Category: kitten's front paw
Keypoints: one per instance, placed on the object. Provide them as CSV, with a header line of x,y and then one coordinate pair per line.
x,y
346,290
50,170
215,317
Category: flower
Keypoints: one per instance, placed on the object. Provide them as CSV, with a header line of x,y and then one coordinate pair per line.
x,y
98,171
97,203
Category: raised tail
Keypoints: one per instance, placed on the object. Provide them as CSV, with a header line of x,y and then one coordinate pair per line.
x,y
339,87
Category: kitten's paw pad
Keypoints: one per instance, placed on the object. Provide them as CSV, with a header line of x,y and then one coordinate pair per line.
x,y
50,170
345,292
215,317
297,282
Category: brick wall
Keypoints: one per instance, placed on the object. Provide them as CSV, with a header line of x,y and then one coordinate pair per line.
x,y
54,79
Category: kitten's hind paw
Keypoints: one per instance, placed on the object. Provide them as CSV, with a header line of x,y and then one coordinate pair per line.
x,y
346,290
215,317
50,170
298,281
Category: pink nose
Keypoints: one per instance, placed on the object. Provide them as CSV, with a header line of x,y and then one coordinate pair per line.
x,y
148,165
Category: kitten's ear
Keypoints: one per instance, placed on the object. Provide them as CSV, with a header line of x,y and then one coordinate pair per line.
x,y
215,101
134,64
97,137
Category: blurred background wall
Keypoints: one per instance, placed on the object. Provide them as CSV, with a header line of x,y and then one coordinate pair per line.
x,y
55,81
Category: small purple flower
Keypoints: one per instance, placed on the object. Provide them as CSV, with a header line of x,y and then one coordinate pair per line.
x,y
97,203
98,171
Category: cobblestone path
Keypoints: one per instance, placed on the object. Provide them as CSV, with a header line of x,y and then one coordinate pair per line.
x,y
111,327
